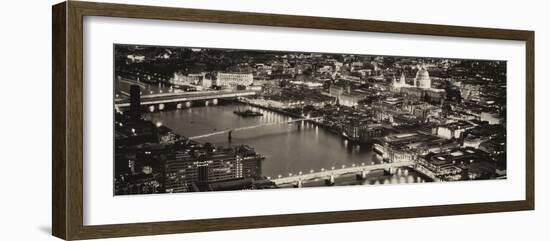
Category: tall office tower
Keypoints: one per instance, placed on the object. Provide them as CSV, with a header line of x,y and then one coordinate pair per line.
x,y
135,102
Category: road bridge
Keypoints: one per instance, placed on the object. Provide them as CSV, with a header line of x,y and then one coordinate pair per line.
x,y
330,174
182,97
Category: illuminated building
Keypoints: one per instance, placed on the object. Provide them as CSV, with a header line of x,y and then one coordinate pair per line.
x,y
470,90
397,85
421,89
197,81
357,131
473,141
135,58
194,169
141,183
450,164
350,100
491,117
231,79
401,147
345,96
335,90
453,130
207,83
422,79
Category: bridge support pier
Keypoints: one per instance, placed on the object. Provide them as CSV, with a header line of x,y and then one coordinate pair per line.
x,y
229,137
298,184
330,181
390,170
362,175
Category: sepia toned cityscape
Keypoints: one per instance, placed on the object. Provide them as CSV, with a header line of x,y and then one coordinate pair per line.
x,y
202,119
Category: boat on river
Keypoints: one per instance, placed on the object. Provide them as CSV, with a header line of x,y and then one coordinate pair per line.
x,y
247,113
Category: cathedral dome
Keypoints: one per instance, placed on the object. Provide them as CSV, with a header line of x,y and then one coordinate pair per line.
x,y
423,78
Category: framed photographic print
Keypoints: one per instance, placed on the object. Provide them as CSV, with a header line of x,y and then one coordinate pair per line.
x,y
171,120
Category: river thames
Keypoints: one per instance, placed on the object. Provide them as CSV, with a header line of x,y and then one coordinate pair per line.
x,y
288,148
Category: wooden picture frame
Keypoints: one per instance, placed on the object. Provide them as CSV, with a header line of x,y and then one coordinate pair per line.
x,y
67,150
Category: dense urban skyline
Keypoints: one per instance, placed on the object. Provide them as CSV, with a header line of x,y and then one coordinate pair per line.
x,y
199,119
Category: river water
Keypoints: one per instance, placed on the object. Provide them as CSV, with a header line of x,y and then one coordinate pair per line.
x,y
289,148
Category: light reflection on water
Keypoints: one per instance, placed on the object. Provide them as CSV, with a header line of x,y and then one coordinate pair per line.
x,y
289,148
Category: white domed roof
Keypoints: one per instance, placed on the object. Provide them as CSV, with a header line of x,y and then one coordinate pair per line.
x,y
423,78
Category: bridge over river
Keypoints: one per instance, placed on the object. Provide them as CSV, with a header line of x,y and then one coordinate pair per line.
x,y
182,97
330,174
231,130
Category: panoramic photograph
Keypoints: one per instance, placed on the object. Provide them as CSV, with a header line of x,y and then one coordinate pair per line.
x,y
192,119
